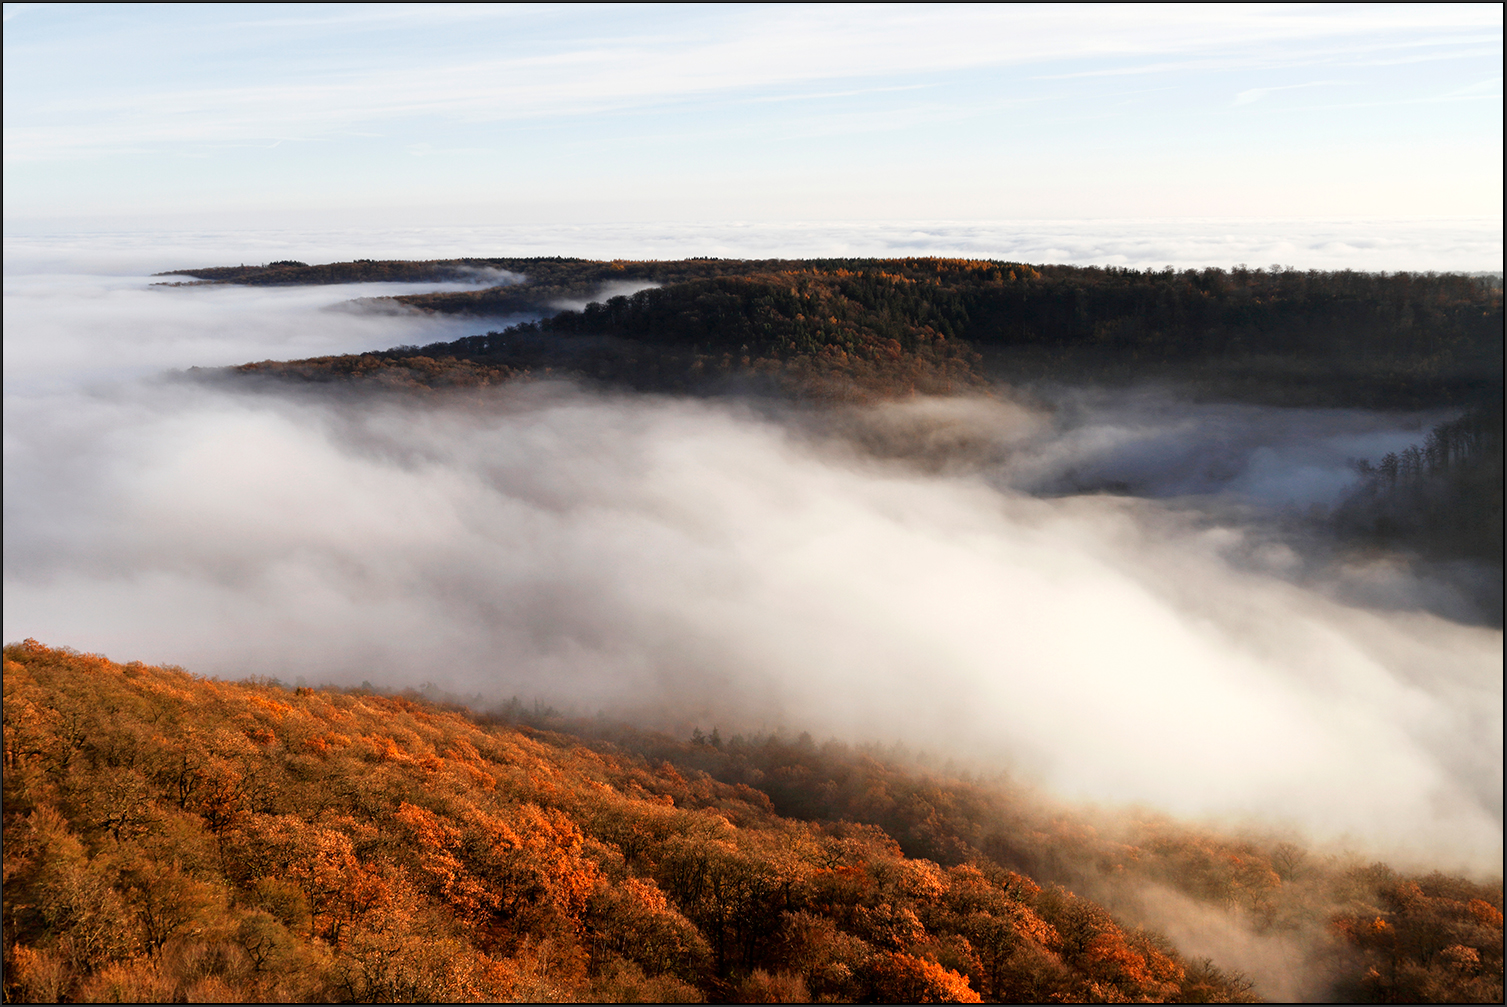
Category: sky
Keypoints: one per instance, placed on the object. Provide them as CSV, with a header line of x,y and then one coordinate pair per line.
x,y
281,115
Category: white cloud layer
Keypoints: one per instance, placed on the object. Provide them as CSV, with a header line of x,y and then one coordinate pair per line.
x,y
1467,244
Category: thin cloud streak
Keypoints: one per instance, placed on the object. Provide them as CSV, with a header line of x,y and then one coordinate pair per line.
x,y
1444,49
1257,93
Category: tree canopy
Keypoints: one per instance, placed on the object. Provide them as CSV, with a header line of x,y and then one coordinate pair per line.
x,y
168,837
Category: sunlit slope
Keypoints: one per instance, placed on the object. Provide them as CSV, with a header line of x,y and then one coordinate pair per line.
x,y
168,834
171,837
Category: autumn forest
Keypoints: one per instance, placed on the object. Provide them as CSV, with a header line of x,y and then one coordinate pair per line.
x,y
170,838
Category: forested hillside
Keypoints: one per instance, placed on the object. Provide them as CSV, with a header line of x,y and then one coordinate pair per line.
x,y
1396,340
170,838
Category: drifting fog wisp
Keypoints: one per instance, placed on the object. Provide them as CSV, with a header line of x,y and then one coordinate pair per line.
x,y
947,574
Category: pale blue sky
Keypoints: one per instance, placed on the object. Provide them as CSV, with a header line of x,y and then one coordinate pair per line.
x,y
395,114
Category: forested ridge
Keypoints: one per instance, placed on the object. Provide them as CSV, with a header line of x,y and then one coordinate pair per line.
x,y
890,326
170,837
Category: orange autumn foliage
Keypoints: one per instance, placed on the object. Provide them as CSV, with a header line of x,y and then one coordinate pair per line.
x,y
175,838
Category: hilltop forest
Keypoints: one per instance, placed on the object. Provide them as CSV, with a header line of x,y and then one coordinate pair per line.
x,y
856,327
171,838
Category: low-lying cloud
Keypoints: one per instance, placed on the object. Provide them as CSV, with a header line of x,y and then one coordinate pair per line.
x,y
66,329
604,293
1414,243
947,573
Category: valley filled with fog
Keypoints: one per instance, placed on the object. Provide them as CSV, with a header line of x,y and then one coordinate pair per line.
x,y
1125,596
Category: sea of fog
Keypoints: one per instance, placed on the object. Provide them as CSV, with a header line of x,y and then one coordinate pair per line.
x,y
1459,244
1120,595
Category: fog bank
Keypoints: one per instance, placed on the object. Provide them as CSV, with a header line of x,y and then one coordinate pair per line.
x,y
1465,244
679,559
946,573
